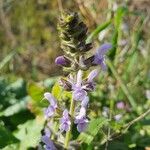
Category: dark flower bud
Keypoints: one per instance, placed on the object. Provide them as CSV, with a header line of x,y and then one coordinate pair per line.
x,y
63,61
65,84
89,61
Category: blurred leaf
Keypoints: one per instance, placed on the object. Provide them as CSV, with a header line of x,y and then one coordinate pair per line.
x,y
57,91
35,91
18,87
11,147
119,16
117,23
13,109
92,130
117,146
6,137
98,30
7,59
29,133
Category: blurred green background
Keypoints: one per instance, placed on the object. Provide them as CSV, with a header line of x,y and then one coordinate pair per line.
x,y
29,43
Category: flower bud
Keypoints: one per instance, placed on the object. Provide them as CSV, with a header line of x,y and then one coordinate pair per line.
x,y
65,84
63,61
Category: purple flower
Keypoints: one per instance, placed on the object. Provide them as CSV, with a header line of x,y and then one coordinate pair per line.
x,y
120,105
99,57
52,107
81,120
78,92
65,121
90,84
49,145
85,101
63,61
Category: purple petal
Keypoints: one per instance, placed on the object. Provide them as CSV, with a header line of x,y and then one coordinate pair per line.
x,y
92,75
60,60
49,144
81,127
103,65
50,98
120,105
102,50
79,78
47,132
85,101
49,111
65,113
79,94
64,127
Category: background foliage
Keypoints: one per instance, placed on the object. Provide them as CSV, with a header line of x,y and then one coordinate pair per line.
x,y
29,44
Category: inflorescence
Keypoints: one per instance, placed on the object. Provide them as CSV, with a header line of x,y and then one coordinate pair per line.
x,y
73,35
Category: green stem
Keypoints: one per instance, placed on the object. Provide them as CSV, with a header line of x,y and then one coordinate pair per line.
x,y
68,133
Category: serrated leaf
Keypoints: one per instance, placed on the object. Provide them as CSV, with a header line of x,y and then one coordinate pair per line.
x,y
29,133
92,130
6,137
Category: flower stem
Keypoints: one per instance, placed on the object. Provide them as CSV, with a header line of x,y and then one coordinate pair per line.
x,y
68,133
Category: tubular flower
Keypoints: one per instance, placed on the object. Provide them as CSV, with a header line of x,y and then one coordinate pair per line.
x,y
81,120
65,121
99,57
52,107
49,145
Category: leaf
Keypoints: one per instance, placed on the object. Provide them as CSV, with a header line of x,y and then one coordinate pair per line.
x,y
13,109
6,137
35,91
100,28
117,32
57,91
29,133
11,147
92,130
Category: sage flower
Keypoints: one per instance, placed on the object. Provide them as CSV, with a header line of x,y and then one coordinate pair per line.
x,y
63,61
52,107
78,92
49,145
99,57
65,121
81,120
89,84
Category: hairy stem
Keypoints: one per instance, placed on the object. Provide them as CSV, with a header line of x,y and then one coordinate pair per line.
x,y
68,133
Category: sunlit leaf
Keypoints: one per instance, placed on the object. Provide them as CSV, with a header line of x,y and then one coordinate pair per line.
x,y
92,130
29,133
6,137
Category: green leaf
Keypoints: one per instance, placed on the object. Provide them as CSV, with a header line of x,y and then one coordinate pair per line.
x,y
57,91
6,137
11,147
13,109
35,91
93,128
98,30
29,133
